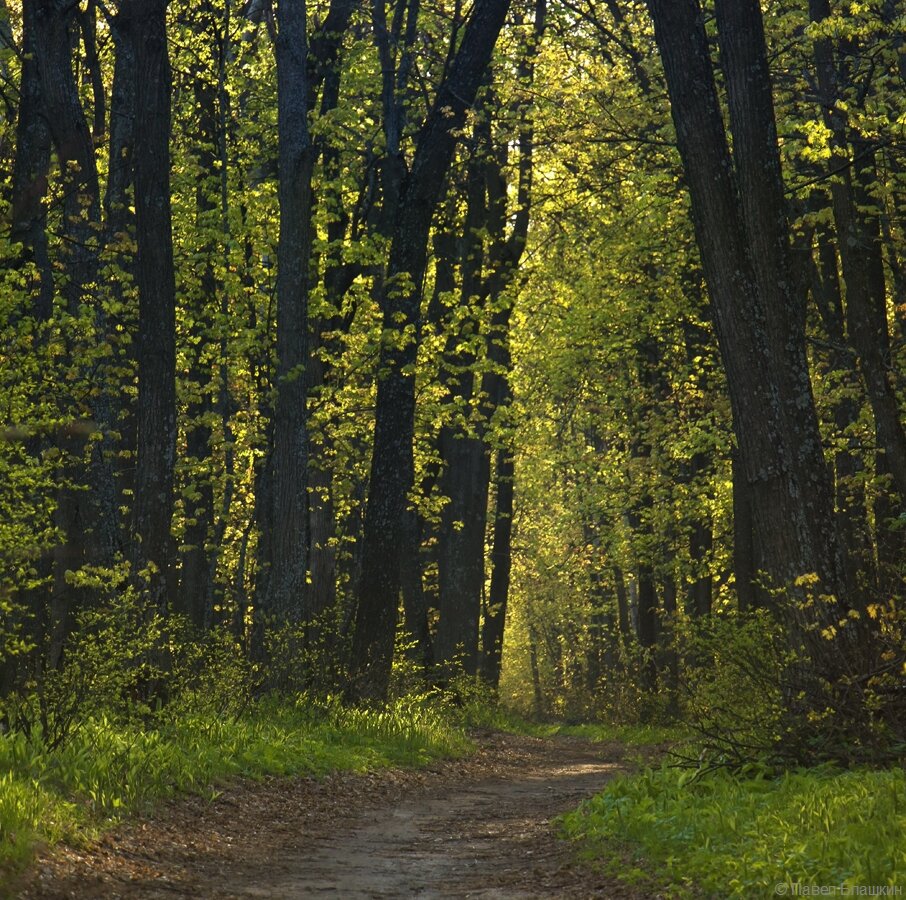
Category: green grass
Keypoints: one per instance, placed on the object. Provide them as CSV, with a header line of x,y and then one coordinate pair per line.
x,y
741,835
485,714
107,769
634,735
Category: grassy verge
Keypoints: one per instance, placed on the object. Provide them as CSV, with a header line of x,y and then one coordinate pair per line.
x,y
750,835
108,769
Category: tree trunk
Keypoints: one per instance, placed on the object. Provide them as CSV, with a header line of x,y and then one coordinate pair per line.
x,y
758,320
282,590
465,475
849,468
28,212
195,596
85,518
119,233
501,565
145,22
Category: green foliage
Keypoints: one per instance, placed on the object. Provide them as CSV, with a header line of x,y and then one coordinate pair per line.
x,y
112,661
733,696
208,674
738,835
305,658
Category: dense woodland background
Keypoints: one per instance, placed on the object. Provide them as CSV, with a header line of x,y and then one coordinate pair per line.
x,y
367,345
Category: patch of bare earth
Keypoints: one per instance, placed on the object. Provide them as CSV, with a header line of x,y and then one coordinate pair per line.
x,y
479,827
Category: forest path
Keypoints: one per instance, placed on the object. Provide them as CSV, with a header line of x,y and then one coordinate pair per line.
x,y
478,827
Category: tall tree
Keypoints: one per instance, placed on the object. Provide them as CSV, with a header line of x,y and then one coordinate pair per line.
x,y
303,64
281,593
144,24
740,223
391,462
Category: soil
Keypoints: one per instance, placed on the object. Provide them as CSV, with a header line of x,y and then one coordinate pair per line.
x,y
478,827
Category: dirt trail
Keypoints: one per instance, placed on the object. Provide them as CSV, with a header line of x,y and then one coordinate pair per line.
x,y
473,828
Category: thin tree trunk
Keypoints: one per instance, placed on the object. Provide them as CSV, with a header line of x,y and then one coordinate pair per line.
x,y
495,612
119,233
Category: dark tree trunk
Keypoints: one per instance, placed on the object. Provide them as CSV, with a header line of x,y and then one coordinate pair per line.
x,y
537,689
28,228
465,476
54,36
391,464
700,590
195,596
145,23
758,318
415,601
501,566
285,554
28,212
670,657
461,557
282,586
119,232
745,570
849,468
763,207
648,624
623,620
650,378
85,518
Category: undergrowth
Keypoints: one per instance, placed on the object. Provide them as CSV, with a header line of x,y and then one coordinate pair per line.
x,y
107,768
750,833
482,712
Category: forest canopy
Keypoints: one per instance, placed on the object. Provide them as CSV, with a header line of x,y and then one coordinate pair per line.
x,y
554,348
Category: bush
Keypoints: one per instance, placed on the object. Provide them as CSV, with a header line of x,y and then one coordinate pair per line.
x,y
752,693
111,665
732,687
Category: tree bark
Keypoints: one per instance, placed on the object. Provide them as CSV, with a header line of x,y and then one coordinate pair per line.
x,y
465,475
195,596
849,468
302,66
494,625
282,585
